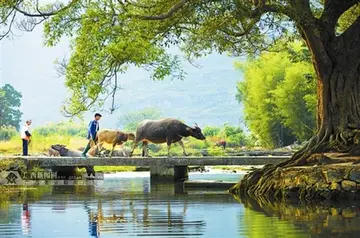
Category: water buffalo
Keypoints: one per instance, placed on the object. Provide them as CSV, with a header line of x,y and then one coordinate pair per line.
x,y
221,143
113,137
63,151
167,130
52,152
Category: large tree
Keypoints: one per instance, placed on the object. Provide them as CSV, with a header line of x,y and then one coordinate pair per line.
x,y
108,36
10,101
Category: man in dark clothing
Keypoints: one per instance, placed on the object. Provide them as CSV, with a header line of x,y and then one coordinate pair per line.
x,y
93,128
25,136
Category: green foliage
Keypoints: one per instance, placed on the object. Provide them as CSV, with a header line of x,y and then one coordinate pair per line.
x,y
109,36
250,141
10,101
211,131
67,133
130,121
348,18
279,95
216,151
7,132
104,45
5,164
197,144
234,136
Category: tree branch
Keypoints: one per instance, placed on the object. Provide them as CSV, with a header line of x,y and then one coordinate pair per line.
x,y
164,16
44,14
2,36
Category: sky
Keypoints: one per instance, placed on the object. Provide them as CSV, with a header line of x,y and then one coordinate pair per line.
x,y
28,65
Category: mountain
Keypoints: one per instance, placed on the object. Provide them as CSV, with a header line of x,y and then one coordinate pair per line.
x,y
205,96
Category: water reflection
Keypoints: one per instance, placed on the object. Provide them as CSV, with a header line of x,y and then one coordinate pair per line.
x,y
125,206
119,207
25,219
316,220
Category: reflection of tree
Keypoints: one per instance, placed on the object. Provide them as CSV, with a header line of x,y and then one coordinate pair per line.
x,y
320,220
20,194
150,219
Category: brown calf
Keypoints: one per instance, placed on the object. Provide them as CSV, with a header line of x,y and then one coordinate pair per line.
x,y
113,137
221,143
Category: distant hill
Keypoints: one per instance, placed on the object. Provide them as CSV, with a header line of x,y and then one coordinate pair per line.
x,y
206,96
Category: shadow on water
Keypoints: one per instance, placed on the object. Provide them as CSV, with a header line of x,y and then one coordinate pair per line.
x,y
316,220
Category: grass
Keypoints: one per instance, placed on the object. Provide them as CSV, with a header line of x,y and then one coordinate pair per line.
x,y
40,144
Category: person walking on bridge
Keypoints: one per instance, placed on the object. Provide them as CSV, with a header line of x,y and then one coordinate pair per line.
x,y
93,128
25,136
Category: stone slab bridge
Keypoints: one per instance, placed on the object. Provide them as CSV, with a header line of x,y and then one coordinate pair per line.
x,y
170,168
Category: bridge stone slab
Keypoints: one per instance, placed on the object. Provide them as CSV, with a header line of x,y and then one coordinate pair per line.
x,y
163,168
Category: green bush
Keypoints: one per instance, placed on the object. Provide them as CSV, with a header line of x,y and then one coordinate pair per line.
x,y
216,151
196,144
211,131
235,136
7,132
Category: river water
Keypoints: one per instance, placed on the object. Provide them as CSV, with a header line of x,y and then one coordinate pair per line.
x,y
128,205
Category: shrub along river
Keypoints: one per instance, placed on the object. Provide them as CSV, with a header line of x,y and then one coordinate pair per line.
x,y
128,205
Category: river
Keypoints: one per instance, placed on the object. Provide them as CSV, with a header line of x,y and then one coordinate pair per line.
x,y
128,205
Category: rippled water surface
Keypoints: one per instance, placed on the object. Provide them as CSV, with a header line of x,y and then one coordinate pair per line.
x,y
128,205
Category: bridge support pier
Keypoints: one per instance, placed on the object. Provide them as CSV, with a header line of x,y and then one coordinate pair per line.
x,y
70,171
169,173
64,171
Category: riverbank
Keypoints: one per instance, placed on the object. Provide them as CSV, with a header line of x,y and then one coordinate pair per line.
x,y
323,177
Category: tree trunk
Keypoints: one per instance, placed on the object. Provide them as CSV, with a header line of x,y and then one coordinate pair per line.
x,y
338,109
337,64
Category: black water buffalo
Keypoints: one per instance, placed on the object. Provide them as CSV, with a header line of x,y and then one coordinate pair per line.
x,y
63,151
164,130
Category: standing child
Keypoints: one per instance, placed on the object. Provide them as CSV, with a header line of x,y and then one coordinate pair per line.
x,y
92,130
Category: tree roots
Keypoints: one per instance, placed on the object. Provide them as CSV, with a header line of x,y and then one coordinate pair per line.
x,y
261,182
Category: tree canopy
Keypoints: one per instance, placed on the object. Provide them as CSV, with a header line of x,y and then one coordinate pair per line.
x,y
108,36
10,101
279,95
